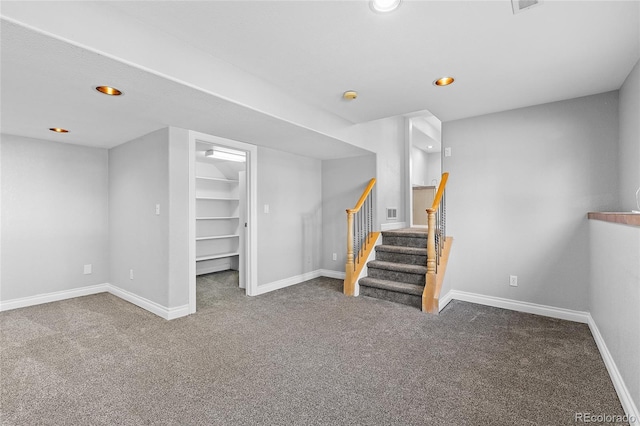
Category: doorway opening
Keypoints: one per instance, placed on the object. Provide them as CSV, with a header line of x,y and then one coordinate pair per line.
x,y
425,159
222,194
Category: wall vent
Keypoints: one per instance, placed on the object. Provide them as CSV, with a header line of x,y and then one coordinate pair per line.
x,y
522,5
392,213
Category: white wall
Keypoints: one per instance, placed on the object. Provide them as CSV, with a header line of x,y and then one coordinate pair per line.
x,y
139,239
343,181
178,217
614,289
419,167
289,236
520,185
434,169
386,138
54,216
629,154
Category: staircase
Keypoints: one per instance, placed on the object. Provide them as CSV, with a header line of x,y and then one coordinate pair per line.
x,y
410,264
399,271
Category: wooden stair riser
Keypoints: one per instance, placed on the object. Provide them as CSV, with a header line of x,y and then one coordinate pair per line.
x,y
399,276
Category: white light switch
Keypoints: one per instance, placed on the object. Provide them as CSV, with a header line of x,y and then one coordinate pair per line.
x,y
87,269
266,208
447,152
157,209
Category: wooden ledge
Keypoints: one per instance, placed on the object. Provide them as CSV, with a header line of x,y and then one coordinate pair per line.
x,y
632,219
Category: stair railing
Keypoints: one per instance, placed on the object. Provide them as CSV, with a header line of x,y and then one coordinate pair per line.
x,y
436,239
437,221
360,237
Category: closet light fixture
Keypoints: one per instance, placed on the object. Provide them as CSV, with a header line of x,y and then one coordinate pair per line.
x,y
444,81
108,90
59,130
384,5
224,154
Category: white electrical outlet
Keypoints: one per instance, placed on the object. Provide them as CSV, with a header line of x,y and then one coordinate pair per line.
x,y
513,280
266,208
87,269
130,274
157,209
447,152
335,256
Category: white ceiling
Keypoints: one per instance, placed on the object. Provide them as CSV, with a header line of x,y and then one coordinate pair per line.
x,y
304,54
319,49
49,83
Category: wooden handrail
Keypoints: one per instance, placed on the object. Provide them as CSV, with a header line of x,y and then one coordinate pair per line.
x,y
352,270
363,197
438,197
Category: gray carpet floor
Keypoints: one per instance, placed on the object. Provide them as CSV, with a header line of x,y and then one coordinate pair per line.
x,y
301,355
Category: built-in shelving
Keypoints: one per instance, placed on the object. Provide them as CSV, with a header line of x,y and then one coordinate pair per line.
x,y
217,219
216,237
215,256
216,179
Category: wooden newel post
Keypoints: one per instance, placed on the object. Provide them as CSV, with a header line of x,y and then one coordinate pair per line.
x,y
349,287
428,302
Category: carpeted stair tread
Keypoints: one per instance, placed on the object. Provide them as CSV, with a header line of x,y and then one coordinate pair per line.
x,y
397,287
402,249
405,233
398,273
397,267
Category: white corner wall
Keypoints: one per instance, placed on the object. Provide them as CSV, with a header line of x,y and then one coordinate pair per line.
x,y
139,239
289,236
629,152
178,217
614,300
386,138
54,217
520,185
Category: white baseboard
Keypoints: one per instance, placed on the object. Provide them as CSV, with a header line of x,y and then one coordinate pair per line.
x,y
444,301
516,305
153,307
39,299
56,296
332,274
626,400
286,282
392,225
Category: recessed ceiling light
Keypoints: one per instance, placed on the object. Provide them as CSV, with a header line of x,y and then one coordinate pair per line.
x,y
59,130
430,146
108,90
384,5
350,95
444,81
